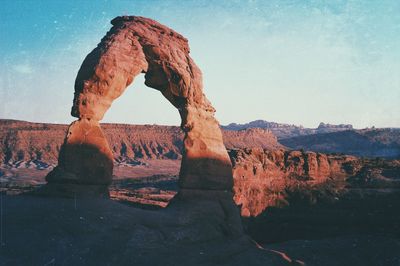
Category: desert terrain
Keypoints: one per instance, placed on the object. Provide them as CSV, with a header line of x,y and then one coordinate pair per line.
x,y
304,205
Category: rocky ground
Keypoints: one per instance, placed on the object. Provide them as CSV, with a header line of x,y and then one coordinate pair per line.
x,y
137,227
151,183
298,207
51,231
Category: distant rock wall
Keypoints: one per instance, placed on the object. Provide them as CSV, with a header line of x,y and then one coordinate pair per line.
x,y
283,131
383,142
22,142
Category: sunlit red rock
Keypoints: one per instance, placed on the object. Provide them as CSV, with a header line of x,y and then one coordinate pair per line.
x,y
262,177
137,45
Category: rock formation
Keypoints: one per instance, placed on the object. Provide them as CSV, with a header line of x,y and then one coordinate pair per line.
x,y
137,45
265,178
382,142
251,138
296,194
25,144
284,131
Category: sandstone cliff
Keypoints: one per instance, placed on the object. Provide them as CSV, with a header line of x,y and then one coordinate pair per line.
x,y
306,195
38,144
264,178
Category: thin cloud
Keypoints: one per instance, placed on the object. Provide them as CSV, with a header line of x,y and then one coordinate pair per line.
x,y
23,68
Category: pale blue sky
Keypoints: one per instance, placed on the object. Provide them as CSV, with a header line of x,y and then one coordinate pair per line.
x,y
299,62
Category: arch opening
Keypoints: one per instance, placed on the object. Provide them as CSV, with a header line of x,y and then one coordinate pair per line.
x,y
149,107
137,45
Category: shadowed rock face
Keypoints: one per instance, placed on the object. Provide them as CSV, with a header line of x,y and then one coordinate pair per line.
x,y
87,156
137,45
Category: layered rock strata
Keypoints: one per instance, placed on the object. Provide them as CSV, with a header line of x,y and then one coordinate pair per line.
x,y
276,178
24,143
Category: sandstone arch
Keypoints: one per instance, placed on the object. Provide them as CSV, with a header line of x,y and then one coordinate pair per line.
x,y
140,45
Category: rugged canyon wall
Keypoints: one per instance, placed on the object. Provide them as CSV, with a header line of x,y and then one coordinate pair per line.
x,y
265,178
38,144
24,142
305,195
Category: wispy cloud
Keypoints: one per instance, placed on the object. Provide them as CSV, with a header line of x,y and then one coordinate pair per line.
x,y
25,68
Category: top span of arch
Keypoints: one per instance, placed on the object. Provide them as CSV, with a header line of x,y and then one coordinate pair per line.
x,y
137,45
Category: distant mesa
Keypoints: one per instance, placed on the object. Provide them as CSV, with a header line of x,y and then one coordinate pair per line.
x,y
258,124
380,142
322,125
328,138
283,131
26,144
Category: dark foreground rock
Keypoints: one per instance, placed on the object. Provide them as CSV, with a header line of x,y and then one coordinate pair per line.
x,y
351,250
60,231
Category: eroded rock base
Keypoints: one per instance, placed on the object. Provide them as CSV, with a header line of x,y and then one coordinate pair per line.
x,y
85,157
102,232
